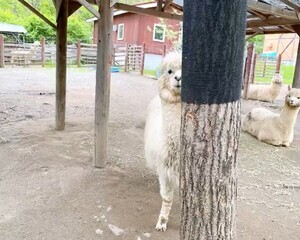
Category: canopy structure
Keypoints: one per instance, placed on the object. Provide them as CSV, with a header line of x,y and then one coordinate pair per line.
x,y
264,17
13,30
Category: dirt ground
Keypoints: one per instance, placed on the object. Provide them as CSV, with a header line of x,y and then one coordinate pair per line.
x,y
50,190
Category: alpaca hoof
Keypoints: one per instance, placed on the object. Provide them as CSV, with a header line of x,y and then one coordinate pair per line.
x,y
161,227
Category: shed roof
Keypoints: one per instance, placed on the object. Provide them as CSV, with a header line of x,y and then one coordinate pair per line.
x,y
12,28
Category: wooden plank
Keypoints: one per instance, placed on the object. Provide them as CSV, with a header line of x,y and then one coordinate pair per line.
x,y
1,51
61,65
271,9
43,51
89,7
36,12
293,5
272,22
103,83
73,7
144,11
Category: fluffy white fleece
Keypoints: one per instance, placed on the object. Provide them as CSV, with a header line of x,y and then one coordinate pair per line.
x,y
272,128
162,133
267,93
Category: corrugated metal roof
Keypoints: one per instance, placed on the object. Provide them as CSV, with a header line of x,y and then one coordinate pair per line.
x,y
6,27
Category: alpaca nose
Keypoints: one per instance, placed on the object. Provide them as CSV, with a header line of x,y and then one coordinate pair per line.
x,y
178,78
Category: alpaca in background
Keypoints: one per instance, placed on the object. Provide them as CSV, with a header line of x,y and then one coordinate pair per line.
x,y
267,93
162,133
272,128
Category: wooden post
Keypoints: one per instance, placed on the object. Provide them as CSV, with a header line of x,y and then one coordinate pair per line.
x,y
248,70
126,58
103,83
1,51
61,64
210,117
78,54
264,67
296,80
278,64
253,68
43,51
143,59
164,50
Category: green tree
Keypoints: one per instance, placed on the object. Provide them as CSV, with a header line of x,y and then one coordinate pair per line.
x,y
15,13
258,42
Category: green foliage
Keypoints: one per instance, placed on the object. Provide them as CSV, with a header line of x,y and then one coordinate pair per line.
x,y
15,13
258,42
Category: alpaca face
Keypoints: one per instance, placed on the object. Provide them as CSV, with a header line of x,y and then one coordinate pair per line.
x,y
174,80
170,80
293,98
277,78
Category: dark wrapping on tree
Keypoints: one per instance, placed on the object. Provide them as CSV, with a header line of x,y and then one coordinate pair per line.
x,y
213,51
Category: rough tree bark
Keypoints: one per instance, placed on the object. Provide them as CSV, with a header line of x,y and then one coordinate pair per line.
x,y
213,44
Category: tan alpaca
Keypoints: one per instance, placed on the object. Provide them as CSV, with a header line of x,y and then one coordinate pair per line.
x,y
162,133
272,128
267,93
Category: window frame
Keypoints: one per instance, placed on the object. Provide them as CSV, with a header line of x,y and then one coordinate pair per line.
x,y
164,32
119,26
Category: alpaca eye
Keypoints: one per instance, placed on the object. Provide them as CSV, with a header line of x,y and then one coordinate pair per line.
x,y
298,97
170,71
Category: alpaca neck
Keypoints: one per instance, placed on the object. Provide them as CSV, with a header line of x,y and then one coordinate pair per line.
x,y
276,87
171,113
288,116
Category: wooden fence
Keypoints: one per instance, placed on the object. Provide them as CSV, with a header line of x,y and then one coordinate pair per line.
x,y
129,57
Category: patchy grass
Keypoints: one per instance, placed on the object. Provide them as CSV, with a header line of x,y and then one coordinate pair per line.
x,y
286,71
150,73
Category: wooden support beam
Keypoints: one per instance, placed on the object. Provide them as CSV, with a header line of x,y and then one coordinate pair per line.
x,y
73,7
61,65
291,4
271,9
103,82
272,22
268,31
259,15
144,11
167,4
296,80
89,7
1,51
36,12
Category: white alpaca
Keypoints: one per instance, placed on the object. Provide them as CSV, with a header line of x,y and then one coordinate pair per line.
x,y
272,128
267,93
162,133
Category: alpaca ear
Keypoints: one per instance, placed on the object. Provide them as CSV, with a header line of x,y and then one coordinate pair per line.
x,y
289,87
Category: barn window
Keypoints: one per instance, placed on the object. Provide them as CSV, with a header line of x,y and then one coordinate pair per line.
x,y
121,31
159,33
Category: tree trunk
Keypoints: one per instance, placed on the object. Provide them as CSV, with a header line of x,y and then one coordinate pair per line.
x,y
213,47
210,135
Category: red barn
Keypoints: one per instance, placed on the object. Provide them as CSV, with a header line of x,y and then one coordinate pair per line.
x,y
137,29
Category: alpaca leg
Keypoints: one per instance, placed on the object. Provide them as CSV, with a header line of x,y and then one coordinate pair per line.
x,y
286,144
166,192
